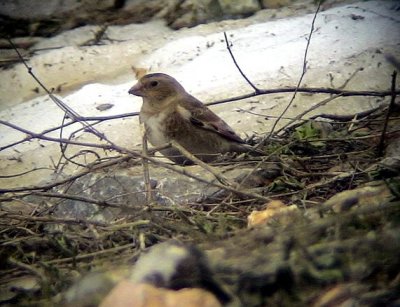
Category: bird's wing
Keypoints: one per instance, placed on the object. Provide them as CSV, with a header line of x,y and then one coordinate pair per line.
x,y
201,116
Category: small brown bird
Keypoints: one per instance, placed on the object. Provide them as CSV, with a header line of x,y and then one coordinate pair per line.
x,y
170,113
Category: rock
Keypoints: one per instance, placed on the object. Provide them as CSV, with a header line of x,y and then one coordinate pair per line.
x,y
273,4
191,13
374,194
24,17
276,212
47,18
124,189
89,290
175,266
10,289
143,295
239,7
29,10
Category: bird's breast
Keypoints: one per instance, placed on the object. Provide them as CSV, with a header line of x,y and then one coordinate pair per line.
x,y
155,127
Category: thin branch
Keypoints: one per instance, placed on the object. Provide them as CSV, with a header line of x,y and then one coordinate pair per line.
x,y
68,110
299,116
30,268
89,200
309,90
202,164
91,168
389,110
146,173
116,249
30,136
42,219
24,173
346,118
304,70
238,67
51,139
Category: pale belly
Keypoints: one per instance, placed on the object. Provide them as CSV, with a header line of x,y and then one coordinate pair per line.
x,y
155,130
205,145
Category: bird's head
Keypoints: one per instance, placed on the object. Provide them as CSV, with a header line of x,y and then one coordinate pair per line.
x,y
157,87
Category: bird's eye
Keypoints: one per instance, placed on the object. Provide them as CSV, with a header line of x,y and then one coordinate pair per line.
x,y
153,83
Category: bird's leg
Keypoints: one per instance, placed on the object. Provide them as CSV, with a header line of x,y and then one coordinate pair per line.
x,y
221,178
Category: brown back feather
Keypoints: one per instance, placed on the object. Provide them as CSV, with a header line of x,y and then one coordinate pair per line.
x,y
204,118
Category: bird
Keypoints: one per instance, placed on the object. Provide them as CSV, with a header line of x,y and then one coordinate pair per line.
x,y
169,113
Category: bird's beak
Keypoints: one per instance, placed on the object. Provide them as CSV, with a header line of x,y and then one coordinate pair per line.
x,y
136,90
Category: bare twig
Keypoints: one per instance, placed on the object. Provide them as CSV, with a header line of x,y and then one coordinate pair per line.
x,y
91,168
309,90
30,268
56,140
24,173
334,118
99,34
304,70
69,111
299,116
146,173
202,164
116,249
85,199
346,118
389,110
51,220
256,90
98,120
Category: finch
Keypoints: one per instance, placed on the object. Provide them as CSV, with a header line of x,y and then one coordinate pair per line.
x,y
170,113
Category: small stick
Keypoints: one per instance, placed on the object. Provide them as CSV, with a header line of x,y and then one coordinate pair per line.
x,y
146,174
303,73
299,116
202,164
238,67
390,108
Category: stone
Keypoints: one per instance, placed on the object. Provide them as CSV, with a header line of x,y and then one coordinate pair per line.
x,y
191,13
273,4
239,7
143,295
